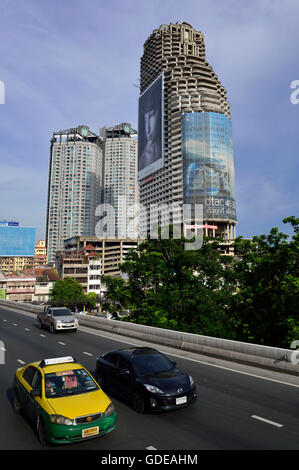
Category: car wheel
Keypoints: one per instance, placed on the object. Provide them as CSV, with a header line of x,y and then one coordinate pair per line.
x,y
40,325
41,431
16,402
52,329
138,402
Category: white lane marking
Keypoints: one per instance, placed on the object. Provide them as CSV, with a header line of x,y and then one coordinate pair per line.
x,y
33,315
20,361
87,353
196,360
60,342
27,329
43,336
278,425
4,320
15,324
151,448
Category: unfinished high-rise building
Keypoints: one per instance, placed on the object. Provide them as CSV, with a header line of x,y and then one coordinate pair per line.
x,y
189,161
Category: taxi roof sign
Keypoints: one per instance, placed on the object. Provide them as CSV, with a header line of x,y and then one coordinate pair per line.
x,y
56,360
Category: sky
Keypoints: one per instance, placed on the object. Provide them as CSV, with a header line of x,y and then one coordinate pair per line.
x,y
65,63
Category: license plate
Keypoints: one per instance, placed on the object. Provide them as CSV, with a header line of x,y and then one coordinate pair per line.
x,y
90,431
181,400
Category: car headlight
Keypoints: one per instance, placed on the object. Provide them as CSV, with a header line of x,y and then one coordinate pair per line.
x,y
58,419
109,410
153,389
191,381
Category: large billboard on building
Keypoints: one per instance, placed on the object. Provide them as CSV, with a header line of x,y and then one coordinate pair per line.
x,y
150,129
209,176
17,241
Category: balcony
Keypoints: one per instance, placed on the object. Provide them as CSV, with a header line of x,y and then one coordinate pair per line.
x,y
20,290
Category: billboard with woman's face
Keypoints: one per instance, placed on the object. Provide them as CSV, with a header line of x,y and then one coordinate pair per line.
x,y
209,175
150,129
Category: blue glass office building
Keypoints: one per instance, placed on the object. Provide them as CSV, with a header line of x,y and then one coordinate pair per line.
x,y
209,175
17,241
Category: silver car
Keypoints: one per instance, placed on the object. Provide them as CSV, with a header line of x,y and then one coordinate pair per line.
x,y
57,319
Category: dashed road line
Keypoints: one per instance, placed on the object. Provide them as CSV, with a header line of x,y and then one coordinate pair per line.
x,y
62,344
87,353
200,361
20,361
278,425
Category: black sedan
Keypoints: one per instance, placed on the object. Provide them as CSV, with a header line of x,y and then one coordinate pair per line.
x,y
146,379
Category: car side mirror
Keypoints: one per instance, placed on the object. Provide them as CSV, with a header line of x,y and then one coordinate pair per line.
x,y
34,393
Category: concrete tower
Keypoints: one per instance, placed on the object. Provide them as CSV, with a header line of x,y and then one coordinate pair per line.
x,y
74,187
120,179
194,155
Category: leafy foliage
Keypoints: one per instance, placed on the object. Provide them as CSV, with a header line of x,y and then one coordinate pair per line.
x,y
268,297
170,287
252,297
68,292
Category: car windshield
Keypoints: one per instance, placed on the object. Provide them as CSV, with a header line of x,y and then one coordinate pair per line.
x,y
68,382
146,364
61,312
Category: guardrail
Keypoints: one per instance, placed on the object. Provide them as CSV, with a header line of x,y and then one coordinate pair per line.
x,y
268,357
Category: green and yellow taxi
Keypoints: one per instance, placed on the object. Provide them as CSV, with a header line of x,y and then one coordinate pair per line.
x,y
63,400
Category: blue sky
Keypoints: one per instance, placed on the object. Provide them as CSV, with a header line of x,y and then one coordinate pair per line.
x,y
68,62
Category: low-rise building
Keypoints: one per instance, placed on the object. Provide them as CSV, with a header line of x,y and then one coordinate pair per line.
x,y
10,265
45,281
18,288
32,286
40,253
86,259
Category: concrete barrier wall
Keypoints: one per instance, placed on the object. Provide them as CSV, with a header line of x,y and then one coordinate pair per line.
x,y
21,306
253,354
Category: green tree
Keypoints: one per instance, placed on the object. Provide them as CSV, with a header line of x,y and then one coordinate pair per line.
x,y
268,295
91,300
67,292
168,286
